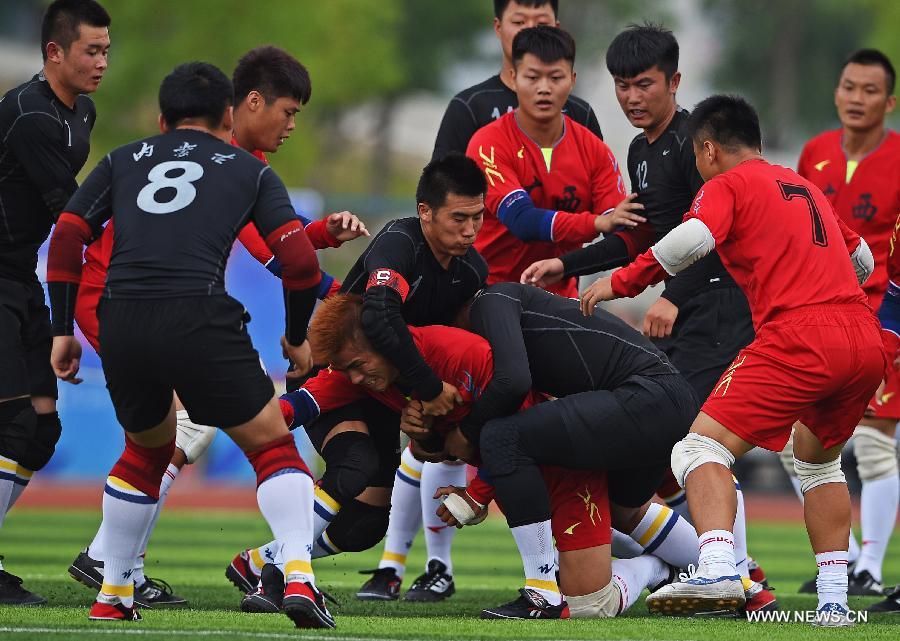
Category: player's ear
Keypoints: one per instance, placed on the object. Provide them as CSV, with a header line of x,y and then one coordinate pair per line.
x,y
55,53
163,125
425,212
228,118
674,81
255,100
497,27
891,103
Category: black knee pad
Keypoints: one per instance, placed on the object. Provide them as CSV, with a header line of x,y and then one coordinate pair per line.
x,y
18,424
43,445
358,526
500,447
351,462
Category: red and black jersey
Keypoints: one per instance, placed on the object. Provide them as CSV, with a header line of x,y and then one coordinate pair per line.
x,y
865,194
567,185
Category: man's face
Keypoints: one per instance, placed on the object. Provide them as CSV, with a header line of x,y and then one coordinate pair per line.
x,y
266,124
543,88
365,367
452,228
647,98
861,97
517,17
83,64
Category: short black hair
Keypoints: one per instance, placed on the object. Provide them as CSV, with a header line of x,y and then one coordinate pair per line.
x,y
195,90
641,47
549,44
729,120
63,19
500,6
453,173
874,57
274,73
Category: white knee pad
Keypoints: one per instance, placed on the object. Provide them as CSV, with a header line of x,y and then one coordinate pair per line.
x,y
190,438
813,475
602,604
876,454
787,456
693,451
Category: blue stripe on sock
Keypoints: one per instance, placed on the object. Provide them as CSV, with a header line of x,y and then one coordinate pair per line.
x,y
6,476
143,499
407,479
657,541
681,499
322,544
322,511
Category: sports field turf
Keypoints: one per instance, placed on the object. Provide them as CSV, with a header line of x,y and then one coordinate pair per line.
x,y
191,549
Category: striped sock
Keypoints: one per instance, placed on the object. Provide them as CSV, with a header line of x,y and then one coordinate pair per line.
x,y
23,478
325,509
406,514
438,536
535,543
168,477
831,582
285,500
8,480
664,534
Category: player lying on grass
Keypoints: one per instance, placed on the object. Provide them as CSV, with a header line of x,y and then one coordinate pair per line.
x,y
817,357
270,87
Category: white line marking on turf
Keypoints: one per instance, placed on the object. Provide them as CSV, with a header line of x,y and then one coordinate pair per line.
x,y
200,633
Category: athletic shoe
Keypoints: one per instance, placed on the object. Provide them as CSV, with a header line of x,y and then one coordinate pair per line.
x,y
383,586
756,573
890,604
305,606
87,571
12,592
864,584
529,605
434,585
113,612
833,615
241,573
268,597
759,598
696,593
156,592
671,578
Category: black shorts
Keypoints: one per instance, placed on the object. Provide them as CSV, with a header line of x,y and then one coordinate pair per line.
x,y
196,346
710,330
25,341
384,429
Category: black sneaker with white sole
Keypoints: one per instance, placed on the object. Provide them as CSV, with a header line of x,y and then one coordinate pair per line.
x,y
156,593
529,605
864,584
269,595
12,592
87,571
891,603
383,586
434,585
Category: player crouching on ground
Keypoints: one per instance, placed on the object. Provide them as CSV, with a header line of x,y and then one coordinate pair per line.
x,y
817,357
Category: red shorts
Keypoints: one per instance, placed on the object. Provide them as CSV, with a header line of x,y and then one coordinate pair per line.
x,y
86,312
888,406
818,364
579,508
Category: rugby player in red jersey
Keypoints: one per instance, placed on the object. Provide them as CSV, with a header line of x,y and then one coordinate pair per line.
x,y
270,86
817,356
858,169
550,180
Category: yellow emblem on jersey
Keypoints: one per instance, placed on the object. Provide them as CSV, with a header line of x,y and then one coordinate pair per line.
x,y
821,165
589,506
886,397
571,528
490,167
521,153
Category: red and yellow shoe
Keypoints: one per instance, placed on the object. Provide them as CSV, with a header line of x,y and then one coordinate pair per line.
x,y
113,612
759,599
305,606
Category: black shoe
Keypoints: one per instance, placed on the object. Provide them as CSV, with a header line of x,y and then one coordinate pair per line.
x,y
269,595
890,604
87,571
529,605
156,592
864,584
12,592
383,586
434,585
809,587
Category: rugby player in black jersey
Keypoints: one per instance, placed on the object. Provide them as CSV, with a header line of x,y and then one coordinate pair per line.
x,y
473,108
167,324
45,128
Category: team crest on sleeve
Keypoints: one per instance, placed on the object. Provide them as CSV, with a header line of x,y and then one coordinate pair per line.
x,y
389,278
697,200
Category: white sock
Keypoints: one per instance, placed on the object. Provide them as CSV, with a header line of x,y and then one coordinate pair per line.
x,y
286,503
8,480
853,550
23,478
438,536
633,575
406,514
878,514
535,542
717,553
740,535
169,476
127,513
831,582
663,533
625,547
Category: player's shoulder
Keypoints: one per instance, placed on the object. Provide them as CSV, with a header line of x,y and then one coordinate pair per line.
x,y
491,86
585,136
502,129
892,145
578,109
31,97
823,142
405,232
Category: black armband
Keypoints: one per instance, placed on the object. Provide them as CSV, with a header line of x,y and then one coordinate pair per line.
x,y
298,308
62,303
608,253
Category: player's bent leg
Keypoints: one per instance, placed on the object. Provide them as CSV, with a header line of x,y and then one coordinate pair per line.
x,y
659,531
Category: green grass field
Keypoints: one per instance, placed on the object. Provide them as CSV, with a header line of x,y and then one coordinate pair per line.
x,y
191,550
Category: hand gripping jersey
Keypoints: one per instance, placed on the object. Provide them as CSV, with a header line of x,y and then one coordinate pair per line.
x,y
541,202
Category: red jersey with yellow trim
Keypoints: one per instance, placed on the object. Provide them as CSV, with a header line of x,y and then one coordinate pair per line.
x,y
866,195
777,235
579,175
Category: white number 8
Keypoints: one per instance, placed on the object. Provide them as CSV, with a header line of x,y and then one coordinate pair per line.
x,y
185,192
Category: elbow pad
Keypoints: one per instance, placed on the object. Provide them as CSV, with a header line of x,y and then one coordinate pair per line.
x,y
684,245
863,261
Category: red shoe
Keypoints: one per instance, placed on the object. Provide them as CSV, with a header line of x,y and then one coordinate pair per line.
x,y
241,573
113,612
759,599
756,573
305,606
